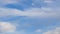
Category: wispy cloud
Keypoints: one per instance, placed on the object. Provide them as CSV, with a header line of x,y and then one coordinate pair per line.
x,y
43,12
48,1
12,10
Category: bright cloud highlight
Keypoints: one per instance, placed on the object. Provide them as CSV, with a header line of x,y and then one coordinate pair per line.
x,y
6,27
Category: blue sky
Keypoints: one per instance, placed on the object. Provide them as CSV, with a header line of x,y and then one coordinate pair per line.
x,y
29,16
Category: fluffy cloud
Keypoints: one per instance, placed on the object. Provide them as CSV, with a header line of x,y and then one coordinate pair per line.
x,y
54,31
6,27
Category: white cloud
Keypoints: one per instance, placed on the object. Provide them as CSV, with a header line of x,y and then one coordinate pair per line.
x,y
54,31
8,12
48,1
6,27
8,1
38,31
34,12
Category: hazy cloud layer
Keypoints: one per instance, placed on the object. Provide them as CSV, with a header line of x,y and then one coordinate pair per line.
x,y
29,17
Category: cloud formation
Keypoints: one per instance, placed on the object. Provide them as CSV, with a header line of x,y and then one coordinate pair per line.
x,y
31,8
6,27
34,12
8,1
54,31
38,30
48,1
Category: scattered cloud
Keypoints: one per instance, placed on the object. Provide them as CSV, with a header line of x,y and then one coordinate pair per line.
x,y
31,8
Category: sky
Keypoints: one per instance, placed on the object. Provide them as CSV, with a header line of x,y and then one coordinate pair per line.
x,y
29,16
